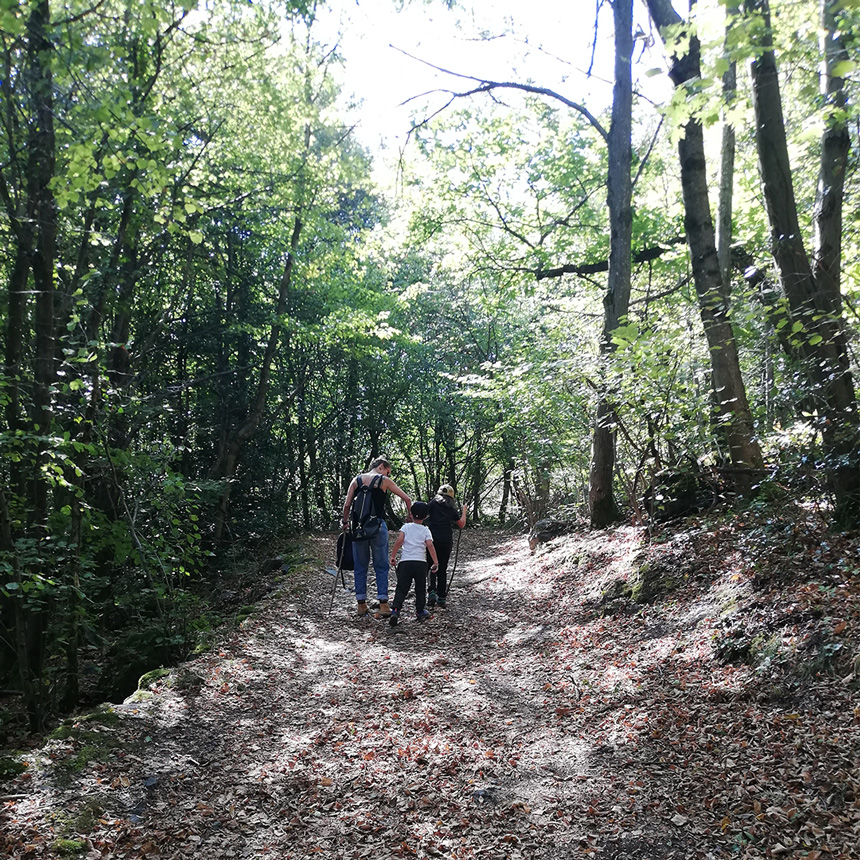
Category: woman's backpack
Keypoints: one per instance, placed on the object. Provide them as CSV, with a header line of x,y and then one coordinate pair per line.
x,y
363,522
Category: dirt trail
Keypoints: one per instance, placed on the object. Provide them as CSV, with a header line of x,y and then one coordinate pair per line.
x,y
522,721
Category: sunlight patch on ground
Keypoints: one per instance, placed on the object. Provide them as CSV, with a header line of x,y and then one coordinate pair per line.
x,y
522,633
508,726
167,711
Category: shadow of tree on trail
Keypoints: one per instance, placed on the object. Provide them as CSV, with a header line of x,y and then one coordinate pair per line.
x,y
518,722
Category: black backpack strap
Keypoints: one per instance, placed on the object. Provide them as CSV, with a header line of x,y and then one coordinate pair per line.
x,y
374,484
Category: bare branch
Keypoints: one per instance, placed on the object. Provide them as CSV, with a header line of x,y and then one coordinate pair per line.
x,y
653,297
648,153
487,86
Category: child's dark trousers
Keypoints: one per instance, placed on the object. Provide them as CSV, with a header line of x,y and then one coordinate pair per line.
x,y
407,573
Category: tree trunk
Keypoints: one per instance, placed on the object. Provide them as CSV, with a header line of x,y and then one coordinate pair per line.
x,y
727,181
813,296
304,444
14,357
40,172
507,490
477,480
733,412
835,144
602,507
229,460
601,500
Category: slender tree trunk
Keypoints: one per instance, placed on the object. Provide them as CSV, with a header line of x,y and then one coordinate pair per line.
x,y
29,685
229,460
507,490
315,473
14,358
543,471
40,173
724,228
106,281
733,412
727,182
304,445
477,478
812,292
602,506
835,145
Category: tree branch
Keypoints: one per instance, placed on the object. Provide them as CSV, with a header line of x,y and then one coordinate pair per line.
x,y
643,256
486,86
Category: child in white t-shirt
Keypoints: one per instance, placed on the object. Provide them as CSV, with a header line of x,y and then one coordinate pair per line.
x,y
416,540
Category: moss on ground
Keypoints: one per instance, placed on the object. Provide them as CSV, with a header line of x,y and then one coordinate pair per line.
x,y
10,768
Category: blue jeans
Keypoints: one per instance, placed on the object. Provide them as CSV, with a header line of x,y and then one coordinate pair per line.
x,y
377,546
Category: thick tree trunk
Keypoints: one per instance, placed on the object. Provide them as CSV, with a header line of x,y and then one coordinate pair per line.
x,y
813,296
601,500
602,507
733,412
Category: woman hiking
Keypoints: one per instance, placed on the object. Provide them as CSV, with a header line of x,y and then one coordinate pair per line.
x,y
378,481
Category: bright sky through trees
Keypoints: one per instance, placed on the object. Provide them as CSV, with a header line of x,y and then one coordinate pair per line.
x,y
387,53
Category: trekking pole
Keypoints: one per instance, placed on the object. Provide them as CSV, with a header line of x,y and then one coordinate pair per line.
x,y
456,555
339,572
333,589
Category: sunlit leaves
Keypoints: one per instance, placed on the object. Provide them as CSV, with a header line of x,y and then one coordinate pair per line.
x,y
519,186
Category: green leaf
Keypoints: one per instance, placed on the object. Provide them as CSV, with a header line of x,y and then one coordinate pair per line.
x,y
843,69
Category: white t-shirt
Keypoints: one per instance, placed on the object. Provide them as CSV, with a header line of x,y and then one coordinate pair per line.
x,y
414,548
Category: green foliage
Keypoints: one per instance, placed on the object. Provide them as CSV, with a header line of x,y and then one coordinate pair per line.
x,y
69,847
10,768
244,613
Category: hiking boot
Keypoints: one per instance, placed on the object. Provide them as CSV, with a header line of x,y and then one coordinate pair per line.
x,y
394,619
384,610
441,603
362,609
423,615
431,599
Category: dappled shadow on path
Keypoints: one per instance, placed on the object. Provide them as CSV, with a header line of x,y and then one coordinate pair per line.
x,y
521,721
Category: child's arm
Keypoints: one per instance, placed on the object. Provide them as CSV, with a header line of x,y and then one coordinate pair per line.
x,y
432,550
397,544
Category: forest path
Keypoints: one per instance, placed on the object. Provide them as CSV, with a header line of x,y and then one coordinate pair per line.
x,y
518,723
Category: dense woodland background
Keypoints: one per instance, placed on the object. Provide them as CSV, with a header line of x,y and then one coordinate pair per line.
x,y
212,318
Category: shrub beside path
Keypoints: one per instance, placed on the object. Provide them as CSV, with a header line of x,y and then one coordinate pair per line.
x,y
545,714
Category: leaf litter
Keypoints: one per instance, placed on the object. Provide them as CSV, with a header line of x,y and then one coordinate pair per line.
x,y
546,713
